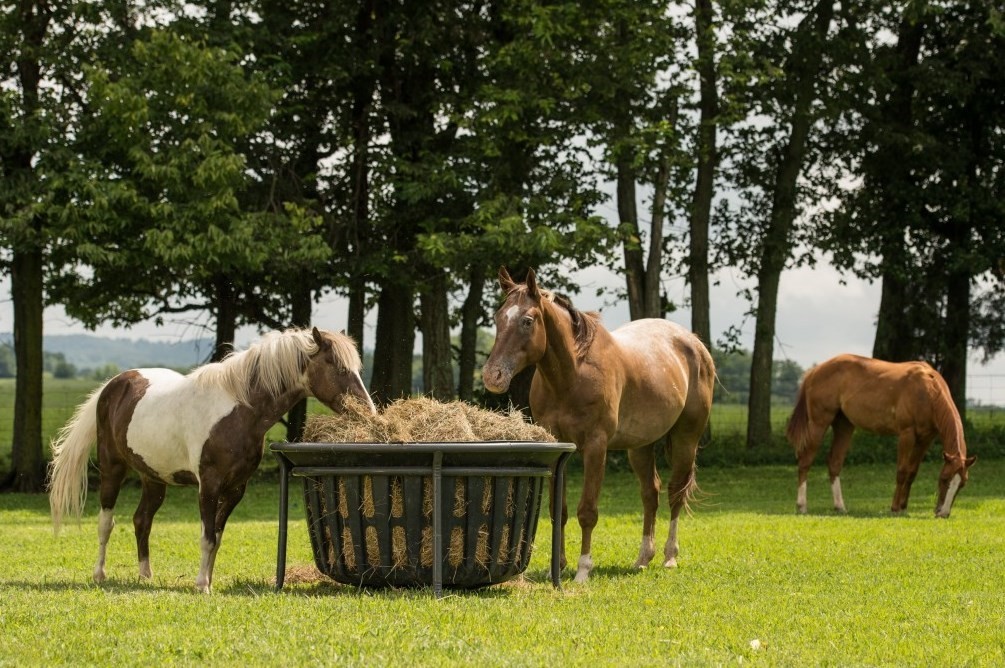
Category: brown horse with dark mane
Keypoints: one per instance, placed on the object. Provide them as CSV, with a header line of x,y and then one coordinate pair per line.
x,y
909,400
620,390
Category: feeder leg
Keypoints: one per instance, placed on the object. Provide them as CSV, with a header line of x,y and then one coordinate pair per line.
x,y
437,525
284,483
557,534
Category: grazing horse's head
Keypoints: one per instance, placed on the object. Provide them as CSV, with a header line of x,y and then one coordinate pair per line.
x,y
333,372
520,335
952,479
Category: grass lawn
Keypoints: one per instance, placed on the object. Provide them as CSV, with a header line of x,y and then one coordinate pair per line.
x,y
757,585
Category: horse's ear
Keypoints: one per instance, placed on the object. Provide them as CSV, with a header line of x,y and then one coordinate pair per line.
x,y
532,290
969,461
318,337
505,281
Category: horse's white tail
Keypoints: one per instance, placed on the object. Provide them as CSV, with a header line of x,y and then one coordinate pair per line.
x,y
68,470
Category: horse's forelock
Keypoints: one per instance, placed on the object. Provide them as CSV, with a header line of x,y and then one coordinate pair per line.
x,y
346,353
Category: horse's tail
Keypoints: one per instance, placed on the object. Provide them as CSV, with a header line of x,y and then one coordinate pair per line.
x,y
68,470
688,493
798,429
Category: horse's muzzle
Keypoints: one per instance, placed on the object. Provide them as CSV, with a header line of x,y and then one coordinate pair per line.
x,y
496,379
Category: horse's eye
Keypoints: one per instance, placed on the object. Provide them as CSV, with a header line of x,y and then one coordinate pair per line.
x,y
527,322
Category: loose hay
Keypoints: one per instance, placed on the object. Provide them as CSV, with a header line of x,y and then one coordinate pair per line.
x,y
421,419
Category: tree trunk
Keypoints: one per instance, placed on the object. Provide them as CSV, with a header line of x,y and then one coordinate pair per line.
x,y
226,319
437,366
652,296
301,307
471,312
395,338
892,180
776,244
27,460
894,340
707,161
628,218
955,336
27,271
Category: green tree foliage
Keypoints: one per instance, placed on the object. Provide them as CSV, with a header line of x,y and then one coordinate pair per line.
x,y
926,214
162,229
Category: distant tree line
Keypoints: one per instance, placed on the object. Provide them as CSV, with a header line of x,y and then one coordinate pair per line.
x,y
243,157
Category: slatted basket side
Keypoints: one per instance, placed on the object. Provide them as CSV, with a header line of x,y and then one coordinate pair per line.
x,y
377,530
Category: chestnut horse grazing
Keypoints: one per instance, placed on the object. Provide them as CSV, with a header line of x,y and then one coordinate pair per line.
x,y
620,390
909,400
205,429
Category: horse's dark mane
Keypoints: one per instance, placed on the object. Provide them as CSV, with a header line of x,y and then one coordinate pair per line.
x,y
584,323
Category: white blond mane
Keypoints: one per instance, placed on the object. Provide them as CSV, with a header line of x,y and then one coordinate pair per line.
x,y
275,363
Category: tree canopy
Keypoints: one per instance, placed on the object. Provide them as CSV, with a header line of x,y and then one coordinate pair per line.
x,y
243,158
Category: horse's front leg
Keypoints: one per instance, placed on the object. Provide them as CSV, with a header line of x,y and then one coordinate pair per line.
x,y
643,461
150,501
910,452
594,458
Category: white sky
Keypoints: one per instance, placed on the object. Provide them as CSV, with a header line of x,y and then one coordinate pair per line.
x,y
818,317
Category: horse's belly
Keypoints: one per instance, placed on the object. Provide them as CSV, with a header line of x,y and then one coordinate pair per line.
x,y
169,428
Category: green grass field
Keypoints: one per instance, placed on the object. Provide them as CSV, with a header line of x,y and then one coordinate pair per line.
x,y
757,585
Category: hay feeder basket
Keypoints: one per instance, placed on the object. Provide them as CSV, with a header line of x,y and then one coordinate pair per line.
x,y
460,515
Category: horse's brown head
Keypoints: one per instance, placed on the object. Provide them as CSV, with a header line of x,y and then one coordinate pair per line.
x,y
520,334
333,373
952,479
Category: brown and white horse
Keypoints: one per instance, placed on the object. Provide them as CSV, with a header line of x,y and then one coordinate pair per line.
x,y
909,400
620,390
205,429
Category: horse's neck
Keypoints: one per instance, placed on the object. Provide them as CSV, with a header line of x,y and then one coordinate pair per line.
x,y
559,365
950,427
270,408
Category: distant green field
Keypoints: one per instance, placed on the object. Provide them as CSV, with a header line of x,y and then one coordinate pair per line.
x,y
985,429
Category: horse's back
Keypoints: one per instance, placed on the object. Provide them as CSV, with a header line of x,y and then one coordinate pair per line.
x,y
875,395
655,346
668,372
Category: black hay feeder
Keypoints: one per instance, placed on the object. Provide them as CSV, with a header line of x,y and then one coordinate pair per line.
x,y
456,515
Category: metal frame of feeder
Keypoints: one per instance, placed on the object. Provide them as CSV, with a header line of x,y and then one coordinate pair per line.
x,y
436,470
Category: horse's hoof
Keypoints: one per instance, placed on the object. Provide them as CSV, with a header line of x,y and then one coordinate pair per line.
x,y
800,510
99,577
581,577
670,563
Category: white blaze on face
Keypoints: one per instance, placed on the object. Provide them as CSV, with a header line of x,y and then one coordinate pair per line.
x,y
172,421
511,313
947,504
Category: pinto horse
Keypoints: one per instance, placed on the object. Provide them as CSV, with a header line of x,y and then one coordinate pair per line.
x,y
909,399
205,429
620,390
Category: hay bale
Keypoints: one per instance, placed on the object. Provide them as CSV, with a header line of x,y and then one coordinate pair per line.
x,y
421,419
425,419
510,426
